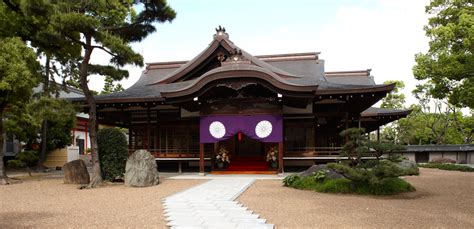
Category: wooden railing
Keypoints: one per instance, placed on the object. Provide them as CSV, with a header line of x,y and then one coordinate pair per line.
x,y
175,153
312,152
288,152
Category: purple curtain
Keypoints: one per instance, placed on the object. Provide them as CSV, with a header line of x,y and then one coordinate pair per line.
x,y
265,128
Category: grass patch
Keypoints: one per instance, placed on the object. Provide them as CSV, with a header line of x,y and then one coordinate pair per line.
x,y
411,172
451,167
388,186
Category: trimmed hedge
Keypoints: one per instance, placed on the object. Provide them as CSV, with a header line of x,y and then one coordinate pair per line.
x,y
451,167
113,153
387,186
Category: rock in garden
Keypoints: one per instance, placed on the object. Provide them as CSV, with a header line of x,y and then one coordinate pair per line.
x,y
407,164
408,167
315,168
141,170
75,172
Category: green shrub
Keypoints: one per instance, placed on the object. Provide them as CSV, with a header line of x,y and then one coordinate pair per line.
x,y
443,160
387,186
290,180
25,159
397,158
113,153
410,172
319,175
451,167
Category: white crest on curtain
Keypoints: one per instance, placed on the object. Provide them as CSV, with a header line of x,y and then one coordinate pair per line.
x,y
263,129
217,129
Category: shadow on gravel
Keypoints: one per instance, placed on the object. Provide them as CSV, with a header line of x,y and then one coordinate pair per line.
x,y
22,219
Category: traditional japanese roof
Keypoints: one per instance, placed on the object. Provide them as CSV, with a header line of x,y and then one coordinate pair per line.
x,y
297,74
351,77
374,117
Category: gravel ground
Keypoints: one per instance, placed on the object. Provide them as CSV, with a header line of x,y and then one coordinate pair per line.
x,y
444,199
47,202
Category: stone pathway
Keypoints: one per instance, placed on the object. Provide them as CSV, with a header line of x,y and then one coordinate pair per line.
x,y
212,205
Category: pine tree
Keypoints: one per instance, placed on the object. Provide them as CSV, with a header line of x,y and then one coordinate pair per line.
x,y
109,26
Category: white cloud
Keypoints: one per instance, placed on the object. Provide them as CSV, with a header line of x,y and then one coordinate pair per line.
x,y
384,38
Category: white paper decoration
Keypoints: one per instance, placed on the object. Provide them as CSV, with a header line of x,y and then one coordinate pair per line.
x,y
217,129
263,129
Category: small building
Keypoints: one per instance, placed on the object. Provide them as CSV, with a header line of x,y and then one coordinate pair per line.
x,y
226,98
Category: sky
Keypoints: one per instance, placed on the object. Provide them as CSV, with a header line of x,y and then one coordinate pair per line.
x,y
382,35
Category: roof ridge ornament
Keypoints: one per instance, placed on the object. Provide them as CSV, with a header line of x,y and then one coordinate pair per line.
x,y
220,33
236,57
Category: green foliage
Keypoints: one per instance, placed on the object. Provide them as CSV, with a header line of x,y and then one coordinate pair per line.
x,y
289,180
396,158
18,72
61,117
388,186
113,152
24,121
355,146
445,166
448,66
25,159
320,175
109,86
424,127
394,99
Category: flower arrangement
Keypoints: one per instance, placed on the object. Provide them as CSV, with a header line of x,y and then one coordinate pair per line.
x,y
272,154
222,155
272,157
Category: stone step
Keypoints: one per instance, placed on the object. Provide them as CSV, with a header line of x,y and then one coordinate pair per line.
x,y
255,226
244,220
184,223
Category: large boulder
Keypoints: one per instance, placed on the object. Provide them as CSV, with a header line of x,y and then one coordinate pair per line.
x,y
75,172
315,168
141,170
408,167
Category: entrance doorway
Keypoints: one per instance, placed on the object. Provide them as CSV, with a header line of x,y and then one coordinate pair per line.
x,y
248,147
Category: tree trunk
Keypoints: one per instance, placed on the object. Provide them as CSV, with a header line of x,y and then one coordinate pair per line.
x,y
96,178
44,124
3,174
44,144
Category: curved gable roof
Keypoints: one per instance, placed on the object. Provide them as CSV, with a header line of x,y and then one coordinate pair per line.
x,y
229,46
236,71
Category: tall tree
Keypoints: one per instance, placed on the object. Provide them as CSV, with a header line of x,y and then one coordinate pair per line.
x,y
31,20
18,76
449,63
395,99
109,26
109,86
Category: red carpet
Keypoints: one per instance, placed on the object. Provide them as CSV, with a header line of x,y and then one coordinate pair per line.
x,y
247,164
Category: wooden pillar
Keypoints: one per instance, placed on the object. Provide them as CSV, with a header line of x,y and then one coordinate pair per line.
x,y
130,132
280,157
360,124
346,139
315,131
148,129
157,135
347,121
201,159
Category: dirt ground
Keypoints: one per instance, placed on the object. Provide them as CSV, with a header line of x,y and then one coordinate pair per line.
x,y
42,203
444,199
